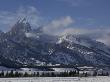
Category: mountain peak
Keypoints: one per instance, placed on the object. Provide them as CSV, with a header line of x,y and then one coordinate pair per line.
x,y
21,26
22,20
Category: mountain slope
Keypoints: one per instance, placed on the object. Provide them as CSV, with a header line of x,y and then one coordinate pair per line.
x,y
24,46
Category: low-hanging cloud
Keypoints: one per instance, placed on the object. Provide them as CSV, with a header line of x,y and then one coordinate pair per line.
x,y
65,25
98,34
60,26
57,26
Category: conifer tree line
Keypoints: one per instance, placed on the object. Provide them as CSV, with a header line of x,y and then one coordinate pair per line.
x,y
49,74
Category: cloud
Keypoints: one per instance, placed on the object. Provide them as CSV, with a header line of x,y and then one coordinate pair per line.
x,y
72,30
103,35
56,26
8,18
65,25
75,3
32,35
59,26
105,39
98,34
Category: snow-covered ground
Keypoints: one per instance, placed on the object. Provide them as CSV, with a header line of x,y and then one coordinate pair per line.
x,y
57,79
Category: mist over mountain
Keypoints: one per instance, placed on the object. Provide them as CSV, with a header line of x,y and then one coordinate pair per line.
x,y
24,46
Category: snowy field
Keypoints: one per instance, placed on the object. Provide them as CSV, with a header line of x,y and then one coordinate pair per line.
x,y
57,79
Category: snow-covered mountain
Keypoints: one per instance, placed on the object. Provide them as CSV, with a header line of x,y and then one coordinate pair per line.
x,y
24,46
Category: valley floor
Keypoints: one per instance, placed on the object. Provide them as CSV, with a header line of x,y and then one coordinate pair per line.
x,y
57,79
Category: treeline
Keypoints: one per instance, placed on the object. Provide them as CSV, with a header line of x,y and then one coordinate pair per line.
x,y
49,74
100,74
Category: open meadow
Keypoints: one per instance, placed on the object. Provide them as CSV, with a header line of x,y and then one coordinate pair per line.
x,y
57,79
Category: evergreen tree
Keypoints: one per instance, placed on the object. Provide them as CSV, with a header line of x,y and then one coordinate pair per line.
x,y
21,75
70,73
42,75
26,74
107,74
7,74
2,73
34,74
94,73
11,74
83,74
37,74
45,75
77,73
17,74
102,74
53,74
86,74
65,74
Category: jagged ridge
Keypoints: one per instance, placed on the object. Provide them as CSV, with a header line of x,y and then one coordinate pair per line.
x,y
24,46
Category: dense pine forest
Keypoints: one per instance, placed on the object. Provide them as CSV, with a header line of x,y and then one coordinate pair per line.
x,y
49,74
